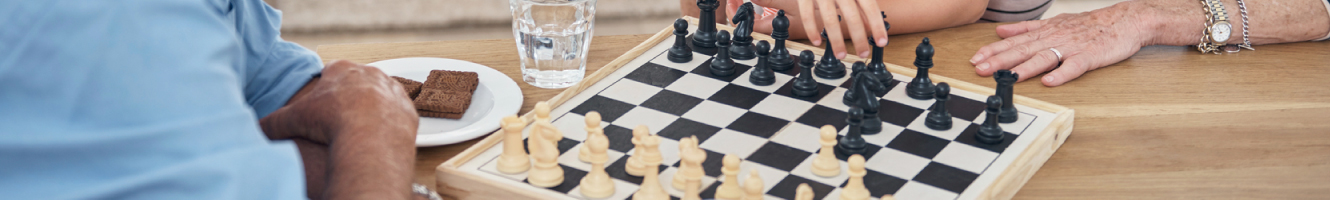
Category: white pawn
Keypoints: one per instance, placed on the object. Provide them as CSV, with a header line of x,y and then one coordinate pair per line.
x,y
651,188
753,186
855,189
729,189
597,183
546,171
825,164
514,158
691,158
647,148
804,192
593,130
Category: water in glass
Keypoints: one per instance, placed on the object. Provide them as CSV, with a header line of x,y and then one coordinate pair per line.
x,y
552,38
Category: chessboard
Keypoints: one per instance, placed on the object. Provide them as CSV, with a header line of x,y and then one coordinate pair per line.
x,y
774,132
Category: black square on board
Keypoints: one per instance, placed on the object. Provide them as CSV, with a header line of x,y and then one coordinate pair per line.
x,y
967,137
896,113
822,91
779,156
705,70
711,166
671,102
920,144
684,127
945,177
621,139
738,96
616,170
757,124
964,108
788,186
710,191
821,115
608,108
655,75
869,151
880,184
571,178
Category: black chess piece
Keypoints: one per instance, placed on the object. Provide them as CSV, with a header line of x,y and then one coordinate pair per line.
x,y
742,47
780,57
804,85
1005,79
761,74
705,36
852,95
722,65
877,65
989,131
853,142
865,84
829,67
939,118
680,52
921,87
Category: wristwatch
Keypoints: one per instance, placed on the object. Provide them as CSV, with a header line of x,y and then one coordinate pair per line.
x,y
1217,30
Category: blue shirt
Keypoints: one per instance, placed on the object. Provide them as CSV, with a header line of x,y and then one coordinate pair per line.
x,y
146,99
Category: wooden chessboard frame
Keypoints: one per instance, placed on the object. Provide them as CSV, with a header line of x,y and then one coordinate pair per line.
x,y
464,185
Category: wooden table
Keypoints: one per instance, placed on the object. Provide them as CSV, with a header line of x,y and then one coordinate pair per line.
x,y
1168,123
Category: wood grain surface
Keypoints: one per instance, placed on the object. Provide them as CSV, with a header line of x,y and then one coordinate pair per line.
x,y
1168,123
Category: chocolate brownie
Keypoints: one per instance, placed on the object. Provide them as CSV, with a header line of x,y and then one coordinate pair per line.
x,y
412,87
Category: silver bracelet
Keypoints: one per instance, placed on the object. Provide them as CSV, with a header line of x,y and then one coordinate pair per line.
x,y
421,190
1246,42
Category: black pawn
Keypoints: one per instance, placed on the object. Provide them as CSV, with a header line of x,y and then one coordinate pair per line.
x,y
680,52
705,36
921,87
722,65
853,142
804,85
761,74
780,60
939,118
1005,79
829,67
742,49
990,132
877,66
852,95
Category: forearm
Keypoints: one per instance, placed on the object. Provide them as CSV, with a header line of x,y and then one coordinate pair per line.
x,y
371,163
282,124
1180,22
912,16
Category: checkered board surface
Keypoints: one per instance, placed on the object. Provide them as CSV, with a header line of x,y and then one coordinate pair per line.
x,y
774,132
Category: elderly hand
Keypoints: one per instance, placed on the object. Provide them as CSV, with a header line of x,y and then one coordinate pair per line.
x,y
348,97
861,17
1086,41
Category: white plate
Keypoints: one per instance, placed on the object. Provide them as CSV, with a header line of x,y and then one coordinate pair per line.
x,y
496,96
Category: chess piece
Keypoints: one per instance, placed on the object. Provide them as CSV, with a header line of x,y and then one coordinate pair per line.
x,y
597,183
877,67
651,188
853,142
690,162
542,110
593,130
705,36
753,186
854,188
850,95
939,118
729,188
680,52
829,67
742,48
645,150
761,74
780,60
693,190
804,192
545,172
722,65
826,164
804,85
514,158
864,84
989,131
921,87
1005,79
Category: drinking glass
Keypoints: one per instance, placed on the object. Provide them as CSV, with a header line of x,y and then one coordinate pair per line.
x,y
552,38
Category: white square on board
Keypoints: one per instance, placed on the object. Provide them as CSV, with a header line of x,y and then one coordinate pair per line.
x,y
630,91
714,114
965,157
653,119
696,85
782,107
732,142
896,163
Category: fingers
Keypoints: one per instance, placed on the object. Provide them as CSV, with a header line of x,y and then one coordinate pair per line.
x,y
874,19
831,23
809,19
983,55
1008,30
1009,58
1074,67
854,23
789,6
732,7
1040,63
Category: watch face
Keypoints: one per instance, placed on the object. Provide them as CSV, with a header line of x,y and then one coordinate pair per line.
x,y
1220,32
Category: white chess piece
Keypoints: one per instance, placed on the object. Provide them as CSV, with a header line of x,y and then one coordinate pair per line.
x,y
597,183
651,188
753,186
514,158
635,165
729,189
542,110
855,189
804,192
826,164
592,130
546,171
691,158
693,191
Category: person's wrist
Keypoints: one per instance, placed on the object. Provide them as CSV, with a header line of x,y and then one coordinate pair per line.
x,y
1176,23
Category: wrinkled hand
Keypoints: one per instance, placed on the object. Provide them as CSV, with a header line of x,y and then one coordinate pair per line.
x,y
1087,41
861,17
348,97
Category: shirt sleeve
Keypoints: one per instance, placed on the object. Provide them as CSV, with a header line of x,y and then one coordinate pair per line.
x,y
274,69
